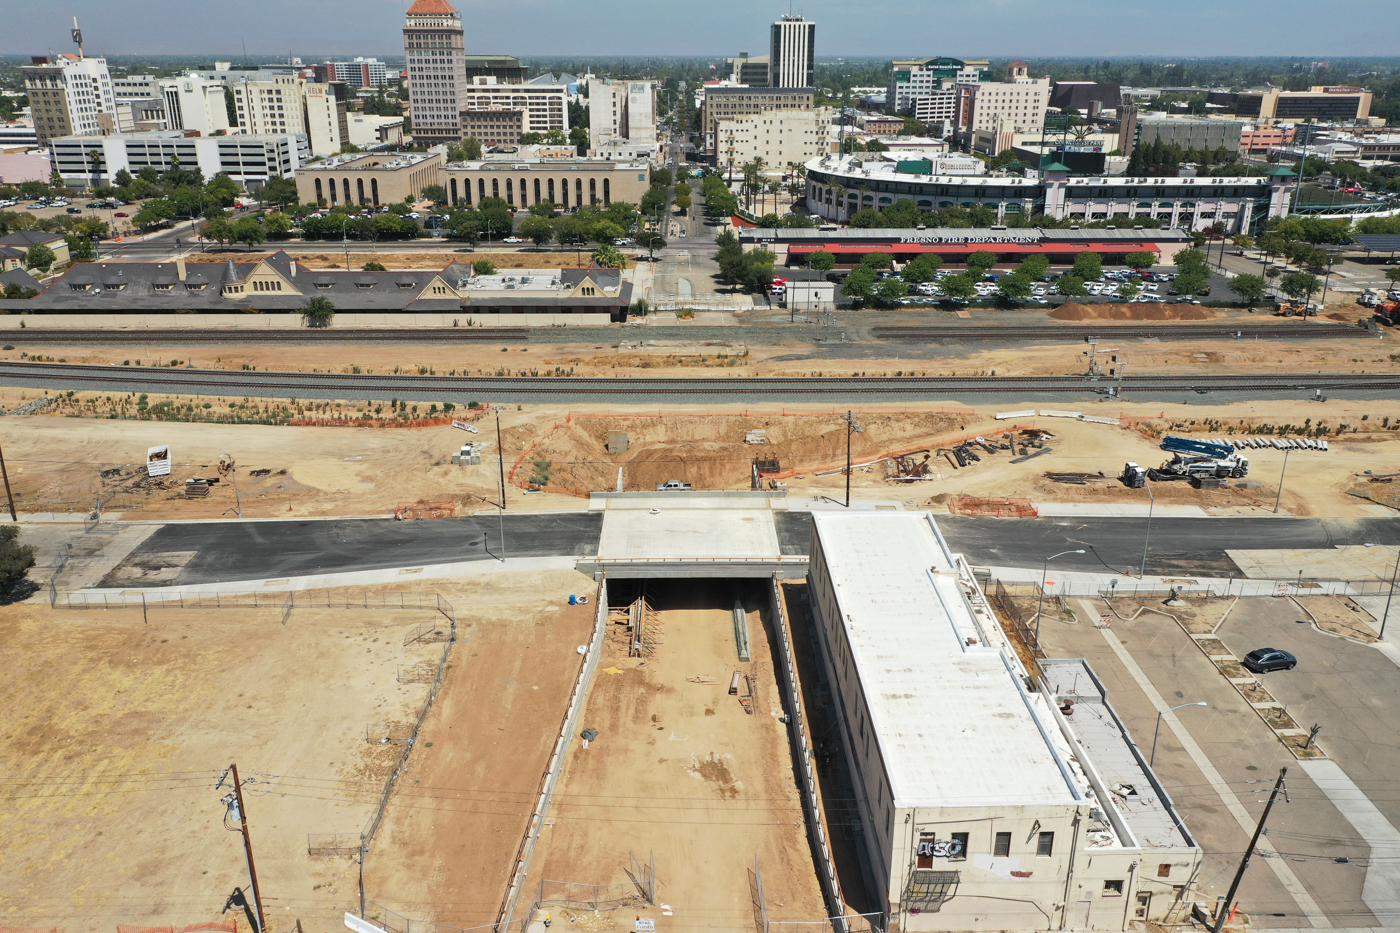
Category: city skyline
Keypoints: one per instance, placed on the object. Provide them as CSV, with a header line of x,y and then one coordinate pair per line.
x,y
1022,28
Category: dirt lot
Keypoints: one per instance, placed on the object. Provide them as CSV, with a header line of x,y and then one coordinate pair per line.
x,y
353,471
447,847
115,731
679,770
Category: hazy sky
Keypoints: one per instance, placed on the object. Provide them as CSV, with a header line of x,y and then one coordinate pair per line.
x,y
991,28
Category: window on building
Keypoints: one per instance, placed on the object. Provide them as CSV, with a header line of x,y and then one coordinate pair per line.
x,y
1001,848
1113,889
1046,845
1164,870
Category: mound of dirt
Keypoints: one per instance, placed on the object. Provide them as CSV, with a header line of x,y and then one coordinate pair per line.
x,y
709,451
1147,311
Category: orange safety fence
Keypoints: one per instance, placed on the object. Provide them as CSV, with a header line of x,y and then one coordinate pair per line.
x,y
998,506
31,930
369,423
770,413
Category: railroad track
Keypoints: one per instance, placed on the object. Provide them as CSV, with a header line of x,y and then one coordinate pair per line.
x,y
1271,330
171,336
518,388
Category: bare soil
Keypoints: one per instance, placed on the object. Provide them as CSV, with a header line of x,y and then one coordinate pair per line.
x,y
680,771
1146,311
447,847
115,729
1340,617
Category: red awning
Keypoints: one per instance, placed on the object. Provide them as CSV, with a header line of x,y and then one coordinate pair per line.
x,y
862,248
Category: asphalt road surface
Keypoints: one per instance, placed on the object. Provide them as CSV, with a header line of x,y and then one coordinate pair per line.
x,y
226,551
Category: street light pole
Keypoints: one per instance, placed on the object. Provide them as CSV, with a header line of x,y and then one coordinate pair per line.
x,y
1279,497
1044,572
1151,504
1385,616
1153,758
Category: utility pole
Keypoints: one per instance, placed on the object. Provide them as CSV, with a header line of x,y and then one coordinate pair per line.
x,y
501,462
852,427
234,802
9,496
1249,852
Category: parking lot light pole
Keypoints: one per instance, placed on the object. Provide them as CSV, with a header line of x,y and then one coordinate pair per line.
x,y
1279,497
1156,732
1151,504
1044,572
1385,616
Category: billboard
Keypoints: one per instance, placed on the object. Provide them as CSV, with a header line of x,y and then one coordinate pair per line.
x,y
158,461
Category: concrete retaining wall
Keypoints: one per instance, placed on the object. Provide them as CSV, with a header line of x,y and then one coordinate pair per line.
x,y
278,319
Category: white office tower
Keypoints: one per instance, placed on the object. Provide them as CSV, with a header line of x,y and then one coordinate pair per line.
x,y
70,96
194,102
437,78
793,53
621,110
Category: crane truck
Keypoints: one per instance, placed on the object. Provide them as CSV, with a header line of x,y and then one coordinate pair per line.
x,y
1199,458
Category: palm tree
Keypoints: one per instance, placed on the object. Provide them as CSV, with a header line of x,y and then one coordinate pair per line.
x,y
838,194
95,158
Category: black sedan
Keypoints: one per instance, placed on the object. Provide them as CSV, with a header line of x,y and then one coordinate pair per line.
x,y
1264,660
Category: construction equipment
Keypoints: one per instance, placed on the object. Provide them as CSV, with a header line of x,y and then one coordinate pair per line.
x,y
226,464
1134,476
1388,313
1301,309
1199,458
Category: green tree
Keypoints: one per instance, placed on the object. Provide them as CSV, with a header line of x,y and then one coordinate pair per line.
x,y
877,261
1088,266
607,233
1140,260
1129,289
1250,288
464,225
318,311
217,229
221,191
1034,266
1191,260
278,225
578,137
651,242
860,284
1300,286
537,230
543,208
982,260
484,267
80,248
16,292
495,217
1015,287
555,137
39,257
153,212
248,232
372,266
15,560
1393,275
921,268
608,257
889,291
122,179
1193,282
961,286
280,191
821,260
435,193
1071,286
682,202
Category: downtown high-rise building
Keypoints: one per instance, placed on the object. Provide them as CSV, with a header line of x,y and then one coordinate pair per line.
x,y
435,50
793,52
70,95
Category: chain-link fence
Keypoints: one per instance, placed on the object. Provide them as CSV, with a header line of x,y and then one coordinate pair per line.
x,y
304,599
395,922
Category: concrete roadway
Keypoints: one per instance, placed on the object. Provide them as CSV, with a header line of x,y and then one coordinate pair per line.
x,y
252,550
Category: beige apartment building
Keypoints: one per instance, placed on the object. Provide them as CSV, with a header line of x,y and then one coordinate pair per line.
x,y
70,96
779,137
371,180
729,103
545,106
570,183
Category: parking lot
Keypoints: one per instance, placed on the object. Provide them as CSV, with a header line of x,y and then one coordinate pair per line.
x,y
1221,773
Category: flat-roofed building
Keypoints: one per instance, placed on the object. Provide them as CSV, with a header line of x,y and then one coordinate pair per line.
x,y
493,127
749,70
570,183
248,160
1322,102
781,138
359,72
980,805
727,103
545,106
70,96
372,179
916,79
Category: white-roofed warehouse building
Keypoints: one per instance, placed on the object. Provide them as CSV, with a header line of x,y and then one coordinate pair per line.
x,y
982,805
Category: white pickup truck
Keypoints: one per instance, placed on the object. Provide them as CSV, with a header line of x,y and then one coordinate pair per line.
x,y
673,484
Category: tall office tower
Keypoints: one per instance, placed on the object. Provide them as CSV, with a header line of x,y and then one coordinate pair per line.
x,y
70,95
793,52
437,80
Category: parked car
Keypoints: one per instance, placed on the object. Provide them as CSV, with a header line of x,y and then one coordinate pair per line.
x,y
120,214
1264,660
75,210
512,239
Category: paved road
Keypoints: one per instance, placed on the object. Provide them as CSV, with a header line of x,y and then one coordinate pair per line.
x,y
225,551
262,549
1177,545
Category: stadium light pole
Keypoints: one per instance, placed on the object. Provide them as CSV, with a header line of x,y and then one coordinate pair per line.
x,y
1044,572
